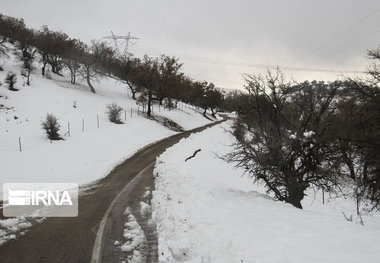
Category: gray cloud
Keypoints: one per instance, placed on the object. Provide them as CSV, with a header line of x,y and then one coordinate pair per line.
x,y
217,39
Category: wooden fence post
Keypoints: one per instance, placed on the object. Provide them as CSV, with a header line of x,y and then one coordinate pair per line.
x,y
19,143
323,196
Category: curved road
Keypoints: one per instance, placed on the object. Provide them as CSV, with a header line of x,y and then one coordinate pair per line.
x,y
90,237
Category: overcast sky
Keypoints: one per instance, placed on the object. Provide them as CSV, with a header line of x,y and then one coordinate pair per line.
x,y
219,40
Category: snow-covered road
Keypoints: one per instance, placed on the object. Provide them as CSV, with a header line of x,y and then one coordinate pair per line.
x,y
72,239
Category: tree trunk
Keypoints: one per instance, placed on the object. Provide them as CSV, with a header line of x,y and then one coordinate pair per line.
x,y
28,78
204,112
88,80
357,201
43,69
295,195
72,78
53,68
148,112
350,165
72,75
294,201
130,86
213,113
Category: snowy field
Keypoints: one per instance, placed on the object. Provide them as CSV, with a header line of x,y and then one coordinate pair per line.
x,y
206,211
84,156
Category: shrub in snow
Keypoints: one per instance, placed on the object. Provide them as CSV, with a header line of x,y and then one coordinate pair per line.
x,y
11,80
51,127
113,112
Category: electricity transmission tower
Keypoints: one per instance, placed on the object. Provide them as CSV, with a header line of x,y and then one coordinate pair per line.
x,y
125,41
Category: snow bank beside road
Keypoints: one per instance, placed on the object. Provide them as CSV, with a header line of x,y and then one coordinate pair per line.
x,y
11,225
136,241
206,212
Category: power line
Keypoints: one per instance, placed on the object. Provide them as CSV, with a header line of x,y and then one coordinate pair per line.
x,y
215,61
339,34
353,42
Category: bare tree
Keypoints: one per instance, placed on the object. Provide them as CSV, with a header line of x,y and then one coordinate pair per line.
x,y
26,54
73,67
126,70
374,68
147,80
92,59
283,139
52,46
211,99
356,127
170,80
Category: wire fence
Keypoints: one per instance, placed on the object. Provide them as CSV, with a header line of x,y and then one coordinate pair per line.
x,y
81,125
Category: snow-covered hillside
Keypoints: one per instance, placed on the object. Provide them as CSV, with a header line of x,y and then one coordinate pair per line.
x,y
84,156
206,211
